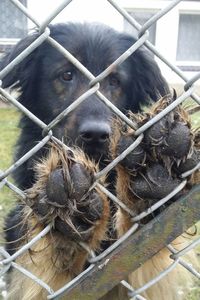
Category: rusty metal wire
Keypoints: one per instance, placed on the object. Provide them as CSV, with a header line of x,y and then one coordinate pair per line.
x,y
99,262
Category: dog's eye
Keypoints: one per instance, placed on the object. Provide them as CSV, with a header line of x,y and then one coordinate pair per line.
x,y
67,76
114,81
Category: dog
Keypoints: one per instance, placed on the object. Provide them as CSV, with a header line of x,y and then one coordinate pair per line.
x,y
47,83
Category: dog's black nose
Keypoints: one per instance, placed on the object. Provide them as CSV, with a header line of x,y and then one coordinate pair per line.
x,y
92,132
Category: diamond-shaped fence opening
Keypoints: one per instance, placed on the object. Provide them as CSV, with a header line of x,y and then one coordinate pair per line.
x,y
102,272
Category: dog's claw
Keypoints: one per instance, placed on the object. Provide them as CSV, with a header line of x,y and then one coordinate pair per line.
x,y
80,224
80,231
134,160
42,208
95,208
189,163
156,183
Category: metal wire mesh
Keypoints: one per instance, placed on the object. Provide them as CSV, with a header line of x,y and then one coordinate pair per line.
x,y
98,263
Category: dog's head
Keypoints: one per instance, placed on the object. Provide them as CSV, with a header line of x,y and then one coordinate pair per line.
x,y
49,82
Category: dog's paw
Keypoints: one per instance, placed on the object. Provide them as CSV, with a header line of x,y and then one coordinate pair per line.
x,y
62,196
154,168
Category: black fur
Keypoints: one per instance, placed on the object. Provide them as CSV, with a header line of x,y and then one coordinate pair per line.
x,y
44,90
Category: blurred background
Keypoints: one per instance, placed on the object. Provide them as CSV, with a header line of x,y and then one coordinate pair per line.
x,y
176,35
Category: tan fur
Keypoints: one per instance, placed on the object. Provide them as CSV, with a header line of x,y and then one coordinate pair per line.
x,y
55,259
173,286
176,284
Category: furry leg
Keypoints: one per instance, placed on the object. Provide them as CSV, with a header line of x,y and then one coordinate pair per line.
x,y
149,173
60,196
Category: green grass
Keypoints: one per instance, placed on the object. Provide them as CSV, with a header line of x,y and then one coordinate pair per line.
x,y
8,134
196,116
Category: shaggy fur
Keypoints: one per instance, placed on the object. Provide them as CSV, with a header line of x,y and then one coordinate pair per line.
x,y
58,257
176,284
47,84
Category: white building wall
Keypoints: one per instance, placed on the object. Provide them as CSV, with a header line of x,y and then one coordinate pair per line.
x,y
102,11
78,10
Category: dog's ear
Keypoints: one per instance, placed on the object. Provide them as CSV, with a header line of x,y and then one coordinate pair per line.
x,y
21,73
147,83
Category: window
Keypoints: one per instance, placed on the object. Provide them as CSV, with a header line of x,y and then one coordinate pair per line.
x,y
141,17
13,21
188,48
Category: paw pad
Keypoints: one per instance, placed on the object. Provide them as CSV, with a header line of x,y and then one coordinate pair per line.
x,y
62,194
152,170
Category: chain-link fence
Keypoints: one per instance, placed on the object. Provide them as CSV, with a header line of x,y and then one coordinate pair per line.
x,y
102,273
